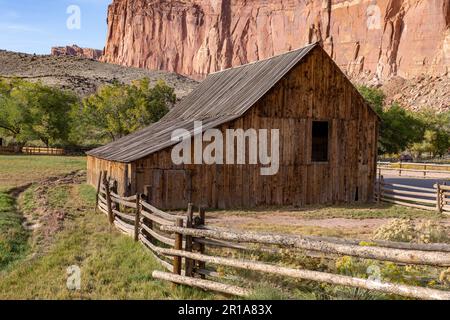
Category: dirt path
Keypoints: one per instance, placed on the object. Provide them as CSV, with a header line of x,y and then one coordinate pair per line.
x,y
43,221
287,219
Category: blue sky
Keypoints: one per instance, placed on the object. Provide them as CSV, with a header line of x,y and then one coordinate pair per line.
x,y
34,26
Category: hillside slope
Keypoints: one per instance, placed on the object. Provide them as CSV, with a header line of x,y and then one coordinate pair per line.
x,y
81,75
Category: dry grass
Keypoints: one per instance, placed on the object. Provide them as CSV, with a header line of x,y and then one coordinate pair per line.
x,y
356,211
355,221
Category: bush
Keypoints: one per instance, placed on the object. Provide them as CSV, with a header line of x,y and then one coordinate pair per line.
x,y
431,232
405,230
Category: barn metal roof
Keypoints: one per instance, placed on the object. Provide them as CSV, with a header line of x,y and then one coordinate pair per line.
x,y
222,97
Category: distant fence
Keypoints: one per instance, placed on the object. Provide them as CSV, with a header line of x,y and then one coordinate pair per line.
x,y
415,169
180,243
432,199
43,150
31,150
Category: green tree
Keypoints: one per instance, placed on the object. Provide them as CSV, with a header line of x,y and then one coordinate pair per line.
x,y
436,140
118,109
399,128
375,97
13,108
49,117
30,111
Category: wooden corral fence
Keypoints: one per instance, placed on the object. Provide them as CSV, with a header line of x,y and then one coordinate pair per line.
x,y
432,199
31,150
43,151
180,243
415,169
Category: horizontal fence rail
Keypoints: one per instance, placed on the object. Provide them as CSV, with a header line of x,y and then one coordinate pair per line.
x,y
415,169
67,151
432,199
32,150
180,242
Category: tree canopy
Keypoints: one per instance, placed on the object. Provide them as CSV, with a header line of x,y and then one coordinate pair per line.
x,y
117,110
401,130
33,111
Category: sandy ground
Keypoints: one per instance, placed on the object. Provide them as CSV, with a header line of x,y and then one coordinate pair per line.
x,y
285,222
290,220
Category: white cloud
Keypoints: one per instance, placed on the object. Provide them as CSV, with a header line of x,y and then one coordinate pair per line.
x,y
19,28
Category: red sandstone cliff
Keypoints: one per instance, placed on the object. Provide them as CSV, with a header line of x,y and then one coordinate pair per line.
x,y
76,51
196,37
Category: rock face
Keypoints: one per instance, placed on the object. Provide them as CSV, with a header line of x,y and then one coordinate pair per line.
x,y
76,51
376,39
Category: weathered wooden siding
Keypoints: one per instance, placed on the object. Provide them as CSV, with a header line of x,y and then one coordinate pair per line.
x,y
314,90
121,172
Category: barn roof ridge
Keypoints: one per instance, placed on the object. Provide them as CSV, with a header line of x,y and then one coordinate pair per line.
x,y
269,58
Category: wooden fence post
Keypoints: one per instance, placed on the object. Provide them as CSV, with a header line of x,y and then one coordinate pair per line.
x,y
438,198
99,184
189,263
178,246
201,264
380,183
137,222
108,199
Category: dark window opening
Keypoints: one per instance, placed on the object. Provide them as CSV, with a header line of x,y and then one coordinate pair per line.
x,y
319,141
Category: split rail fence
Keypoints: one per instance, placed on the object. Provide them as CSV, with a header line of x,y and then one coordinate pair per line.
x,y
432,199
181,242
32,150
416,169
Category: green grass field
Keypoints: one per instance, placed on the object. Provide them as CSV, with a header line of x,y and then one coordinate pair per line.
x,y
33,265
112,266
19,170
13,237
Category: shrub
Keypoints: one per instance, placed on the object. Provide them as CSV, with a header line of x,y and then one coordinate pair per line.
x,y
405,230
431,232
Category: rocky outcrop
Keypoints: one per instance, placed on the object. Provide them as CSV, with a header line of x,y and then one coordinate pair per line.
x,y
378,39
419,92
76,51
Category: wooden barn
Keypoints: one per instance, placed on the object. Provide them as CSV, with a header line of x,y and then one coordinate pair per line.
x,y
328,139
